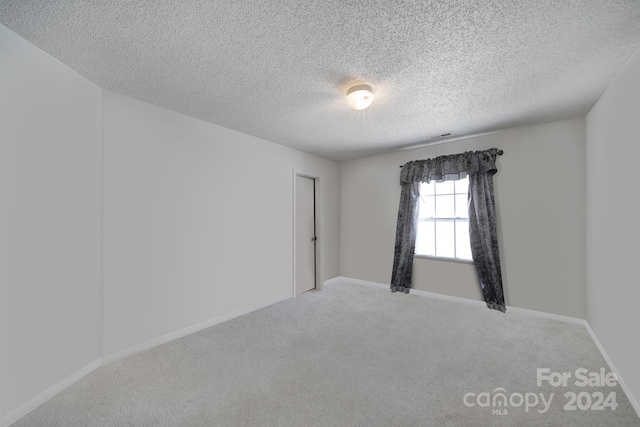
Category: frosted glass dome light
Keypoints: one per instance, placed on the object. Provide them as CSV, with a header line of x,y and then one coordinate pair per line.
x,y
360,97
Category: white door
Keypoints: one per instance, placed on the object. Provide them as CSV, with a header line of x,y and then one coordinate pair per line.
x,y
305,234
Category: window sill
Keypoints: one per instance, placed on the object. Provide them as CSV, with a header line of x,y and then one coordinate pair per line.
x,y
436,258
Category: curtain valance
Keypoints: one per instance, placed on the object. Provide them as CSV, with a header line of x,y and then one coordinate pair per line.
x,y
451,167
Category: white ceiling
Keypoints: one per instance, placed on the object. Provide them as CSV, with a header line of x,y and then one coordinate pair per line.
x,y
279,69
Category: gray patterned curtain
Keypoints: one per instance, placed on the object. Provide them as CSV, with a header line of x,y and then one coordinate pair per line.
x,y
406,230
480,167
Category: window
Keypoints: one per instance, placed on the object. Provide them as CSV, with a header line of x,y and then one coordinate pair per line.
x,y
443,225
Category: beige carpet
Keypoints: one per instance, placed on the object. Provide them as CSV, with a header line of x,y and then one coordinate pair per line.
x,y
350,356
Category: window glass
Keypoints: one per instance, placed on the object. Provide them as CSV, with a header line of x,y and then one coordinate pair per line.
x,y
463,246
445,206
462,209
425,242
462,185
427,189
445,187
427,207
445,246
443,225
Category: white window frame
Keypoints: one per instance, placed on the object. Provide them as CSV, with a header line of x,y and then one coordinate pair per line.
x,y
435,220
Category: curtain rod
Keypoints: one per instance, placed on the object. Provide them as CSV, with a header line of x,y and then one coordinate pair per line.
x,y
499,153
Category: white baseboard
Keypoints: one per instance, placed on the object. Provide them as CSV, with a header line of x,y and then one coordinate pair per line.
x,y
552,316
459,299
33,403
337,279
112,357
613,368
632,399
413,291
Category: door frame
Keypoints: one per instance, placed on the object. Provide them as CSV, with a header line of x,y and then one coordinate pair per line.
x,y
318,219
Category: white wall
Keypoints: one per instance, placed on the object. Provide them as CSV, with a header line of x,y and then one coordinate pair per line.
x,y
49,221
540,194
613,233
198,220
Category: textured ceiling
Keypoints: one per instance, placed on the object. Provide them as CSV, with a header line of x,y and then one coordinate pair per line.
x,y
279,69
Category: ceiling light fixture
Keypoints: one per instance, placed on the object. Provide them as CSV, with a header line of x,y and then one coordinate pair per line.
x,y
360,97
